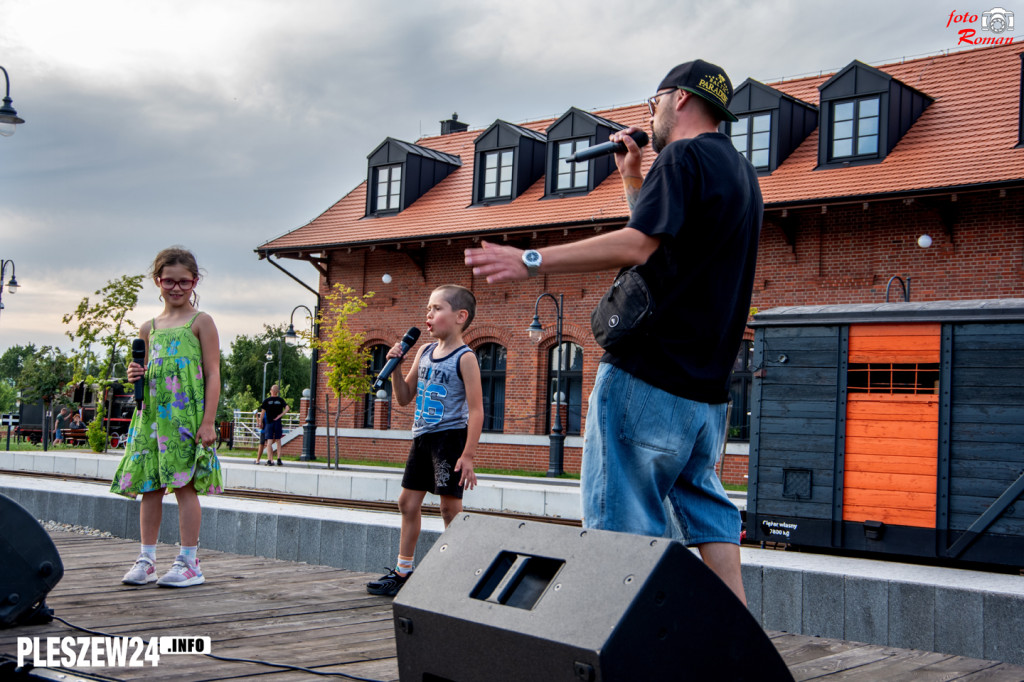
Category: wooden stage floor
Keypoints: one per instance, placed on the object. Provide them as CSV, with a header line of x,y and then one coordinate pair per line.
x,y
321,617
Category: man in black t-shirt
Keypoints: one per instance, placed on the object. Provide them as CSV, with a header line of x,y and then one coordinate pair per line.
x,y
271,411
656,419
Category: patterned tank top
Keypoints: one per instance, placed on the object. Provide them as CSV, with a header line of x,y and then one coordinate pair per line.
x,y
440,392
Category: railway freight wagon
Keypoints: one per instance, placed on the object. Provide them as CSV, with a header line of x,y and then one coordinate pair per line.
x,y
895,428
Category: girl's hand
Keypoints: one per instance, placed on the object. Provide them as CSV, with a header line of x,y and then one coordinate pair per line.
x,y
207,435
135,371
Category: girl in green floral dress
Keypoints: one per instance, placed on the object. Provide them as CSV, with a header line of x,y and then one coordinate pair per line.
x,y
171,439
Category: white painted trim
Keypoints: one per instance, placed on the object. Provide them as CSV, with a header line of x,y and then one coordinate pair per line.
x,y
495,438
737,448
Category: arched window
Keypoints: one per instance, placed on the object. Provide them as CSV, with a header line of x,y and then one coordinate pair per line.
x,y
571,389
491,357
378,358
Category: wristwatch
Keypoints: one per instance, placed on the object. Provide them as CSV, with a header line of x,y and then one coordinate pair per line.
x,y
532,260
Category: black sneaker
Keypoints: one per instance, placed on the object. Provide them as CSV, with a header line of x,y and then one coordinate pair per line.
x,y
387,585
270,463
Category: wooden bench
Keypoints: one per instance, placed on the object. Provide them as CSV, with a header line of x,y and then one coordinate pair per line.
x,y
74,436
226,434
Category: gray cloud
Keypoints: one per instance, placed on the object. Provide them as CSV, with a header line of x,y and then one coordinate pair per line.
x,y
222,125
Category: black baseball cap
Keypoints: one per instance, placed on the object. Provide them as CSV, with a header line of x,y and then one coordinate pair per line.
x,y
705,80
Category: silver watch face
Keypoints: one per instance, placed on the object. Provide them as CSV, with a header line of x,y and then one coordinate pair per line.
x,y
531,258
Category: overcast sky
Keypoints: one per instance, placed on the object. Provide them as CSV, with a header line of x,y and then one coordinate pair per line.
x,y
220,124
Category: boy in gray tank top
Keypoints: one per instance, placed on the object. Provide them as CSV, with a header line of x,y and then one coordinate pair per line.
x,y
445,382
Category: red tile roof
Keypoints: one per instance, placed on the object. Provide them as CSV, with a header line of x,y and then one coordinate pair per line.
x,y
966,137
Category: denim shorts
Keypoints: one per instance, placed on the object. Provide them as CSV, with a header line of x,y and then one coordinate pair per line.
x,y
645,451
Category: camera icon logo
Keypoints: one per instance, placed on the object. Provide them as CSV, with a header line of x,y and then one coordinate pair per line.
x,y
997,20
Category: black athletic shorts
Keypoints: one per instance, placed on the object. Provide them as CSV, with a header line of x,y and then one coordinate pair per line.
x,y
432,460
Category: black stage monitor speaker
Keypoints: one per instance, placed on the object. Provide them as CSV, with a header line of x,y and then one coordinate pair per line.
x,y
500,599
29,568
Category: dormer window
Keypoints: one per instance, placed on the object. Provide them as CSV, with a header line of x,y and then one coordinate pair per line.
x,y
389,188
498,174
573,131
572,176
855,128
752,137
399,173
509,158
864,113
770,125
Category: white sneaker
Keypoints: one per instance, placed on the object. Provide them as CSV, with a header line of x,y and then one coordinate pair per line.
x,y
141,573
182,574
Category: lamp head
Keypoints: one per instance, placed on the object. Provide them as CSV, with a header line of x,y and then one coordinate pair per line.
x,y
290,337
270,356
535,330
12,286
8,118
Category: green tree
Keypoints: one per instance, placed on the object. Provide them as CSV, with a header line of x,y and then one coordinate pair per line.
x,y
11,363
105,323
342,350
243,371
45,376
13,360
8,397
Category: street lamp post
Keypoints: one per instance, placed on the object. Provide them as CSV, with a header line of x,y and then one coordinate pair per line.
x,y
309,428
536,332
8,116
270,359
12,285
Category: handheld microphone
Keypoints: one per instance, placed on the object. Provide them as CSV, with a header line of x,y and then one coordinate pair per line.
x,y
139,357
639,136
407,342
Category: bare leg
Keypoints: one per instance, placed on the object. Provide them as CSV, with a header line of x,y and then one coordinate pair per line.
x,y
724,559
409,503
150,515
190,515
450,508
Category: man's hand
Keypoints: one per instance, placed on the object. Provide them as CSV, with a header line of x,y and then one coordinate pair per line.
x,y
628,162
496,262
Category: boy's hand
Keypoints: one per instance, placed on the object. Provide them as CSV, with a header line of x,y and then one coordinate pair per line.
x,y
468,478
396,352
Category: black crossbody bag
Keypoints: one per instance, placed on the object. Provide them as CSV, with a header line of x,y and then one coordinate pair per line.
x,y
623,311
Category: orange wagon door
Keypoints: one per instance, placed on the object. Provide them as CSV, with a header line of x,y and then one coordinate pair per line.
x,y
892,424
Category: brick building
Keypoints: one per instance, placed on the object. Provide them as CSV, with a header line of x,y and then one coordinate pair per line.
x,y
854,166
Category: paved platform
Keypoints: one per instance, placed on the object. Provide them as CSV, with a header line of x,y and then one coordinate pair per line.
x,y
554,497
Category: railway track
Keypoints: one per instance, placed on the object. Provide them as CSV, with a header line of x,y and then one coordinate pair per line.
x,y
290,498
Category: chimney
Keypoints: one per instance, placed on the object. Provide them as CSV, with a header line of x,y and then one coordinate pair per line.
x,y
453,125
